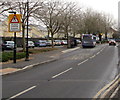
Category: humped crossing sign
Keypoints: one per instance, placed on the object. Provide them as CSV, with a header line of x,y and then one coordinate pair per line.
x,y
14,23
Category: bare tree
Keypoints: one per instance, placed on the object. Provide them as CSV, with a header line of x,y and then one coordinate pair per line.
x,y
57,16
50,15
20,6
108,23
77,24
68,18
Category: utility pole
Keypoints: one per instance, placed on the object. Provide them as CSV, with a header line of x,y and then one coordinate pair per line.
x,y
27,51
14,52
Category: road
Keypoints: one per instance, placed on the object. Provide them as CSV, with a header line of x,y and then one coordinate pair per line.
x,y
76,74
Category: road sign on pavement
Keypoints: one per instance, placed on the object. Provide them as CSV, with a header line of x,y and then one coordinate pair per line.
x,y
14,20
14,23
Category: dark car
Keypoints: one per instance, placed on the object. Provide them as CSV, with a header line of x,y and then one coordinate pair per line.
x,y
117,40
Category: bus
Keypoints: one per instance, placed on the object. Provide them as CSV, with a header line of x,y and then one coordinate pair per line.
x,y
89,40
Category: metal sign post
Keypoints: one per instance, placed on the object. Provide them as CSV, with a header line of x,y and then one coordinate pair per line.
x,y
14,26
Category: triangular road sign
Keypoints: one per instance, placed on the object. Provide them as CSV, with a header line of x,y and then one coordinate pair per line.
x,y
14,20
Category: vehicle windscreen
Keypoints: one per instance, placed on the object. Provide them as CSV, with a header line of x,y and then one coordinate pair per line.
x,y
87,38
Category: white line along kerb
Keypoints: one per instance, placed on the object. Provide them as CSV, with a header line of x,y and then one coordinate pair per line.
x,y
22,92
92,56
98,53
65,51
61,73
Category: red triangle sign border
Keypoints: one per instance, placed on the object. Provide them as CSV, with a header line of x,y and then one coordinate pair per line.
x,y
14,19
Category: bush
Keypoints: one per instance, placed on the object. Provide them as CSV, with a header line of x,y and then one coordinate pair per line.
x,y
20,55
9,56
104,41
6,56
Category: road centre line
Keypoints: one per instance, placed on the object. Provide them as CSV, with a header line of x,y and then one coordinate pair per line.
x,y
62,73
22,92
83,62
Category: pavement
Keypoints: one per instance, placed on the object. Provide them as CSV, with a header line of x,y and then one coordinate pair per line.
x,y
34,60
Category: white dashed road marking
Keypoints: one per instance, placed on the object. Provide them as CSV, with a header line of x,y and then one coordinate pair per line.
x,y
62,73
83,62
22,92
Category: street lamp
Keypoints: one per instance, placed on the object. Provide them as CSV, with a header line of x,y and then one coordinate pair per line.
x,y
27,51
14,53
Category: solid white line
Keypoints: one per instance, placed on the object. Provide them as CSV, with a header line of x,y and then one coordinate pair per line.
x,y
30,66
61,73
22,92
83,62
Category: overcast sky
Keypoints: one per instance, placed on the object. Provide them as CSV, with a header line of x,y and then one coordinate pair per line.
x,y
107,6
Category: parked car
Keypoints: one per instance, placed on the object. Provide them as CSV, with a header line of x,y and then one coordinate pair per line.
x,y
78,41
31,44
117,39
7,45
42,43
57,42
112,42
36,43
63,42
48,43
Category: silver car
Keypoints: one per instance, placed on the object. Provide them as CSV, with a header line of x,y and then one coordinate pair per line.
x,y
8,45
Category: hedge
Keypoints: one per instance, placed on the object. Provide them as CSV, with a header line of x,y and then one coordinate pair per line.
x,y
6,56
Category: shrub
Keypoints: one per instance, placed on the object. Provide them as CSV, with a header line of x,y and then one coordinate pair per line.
x,y
6,56
9,56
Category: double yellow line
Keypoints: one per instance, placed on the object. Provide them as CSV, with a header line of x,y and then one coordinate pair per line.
x,y
106,89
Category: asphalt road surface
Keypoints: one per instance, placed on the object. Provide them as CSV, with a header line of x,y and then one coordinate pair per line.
x,y
76,74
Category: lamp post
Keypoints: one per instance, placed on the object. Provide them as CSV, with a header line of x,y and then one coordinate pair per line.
x,y
27,51
14,53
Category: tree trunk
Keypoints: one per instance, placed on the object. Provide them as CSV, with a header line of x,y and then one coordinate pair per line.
x,y
48,34
52,40
74,34
105,35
